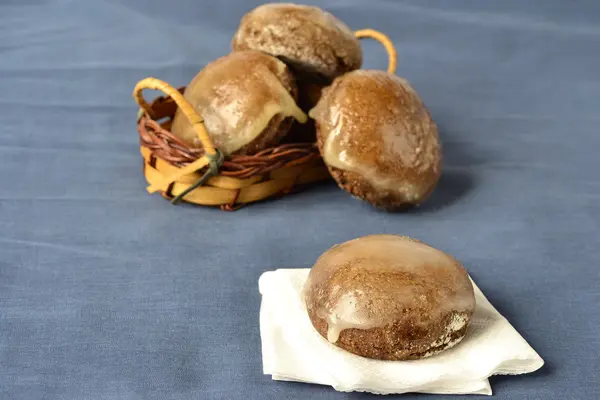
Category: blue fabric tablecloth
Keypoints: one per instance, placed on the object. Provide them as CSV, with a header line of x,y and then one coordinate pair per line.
x,y
109,293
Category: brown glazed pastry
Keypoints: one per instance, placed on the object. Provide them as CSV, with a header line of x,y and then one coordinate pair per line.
x,y
307,37
316,45
378,139
248,102
389,297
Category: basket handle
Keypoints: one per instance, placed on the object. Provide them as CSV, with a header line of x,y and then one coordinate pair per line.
x,y
385,41
212,156
192,115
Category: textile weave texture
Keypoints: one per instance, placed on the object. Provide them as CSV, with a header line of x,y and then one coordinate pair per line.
x,y
109,293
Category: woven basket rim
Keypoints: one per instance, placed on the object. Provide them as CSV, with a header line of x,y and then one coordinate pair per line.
x,y
163,144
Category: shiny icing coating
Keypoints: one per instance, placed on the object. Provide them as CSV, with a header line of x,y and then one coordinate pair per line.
x,y
306,36
238,95
373,124
380,281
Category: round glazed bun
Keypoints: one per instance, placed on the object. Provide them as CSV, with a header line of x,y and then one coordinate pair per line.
x,y
378,139
307,37
248,102
389,297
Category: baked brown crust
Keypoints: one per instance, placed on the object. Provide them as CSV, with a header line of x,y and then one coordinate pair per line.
x,y
389,307
277,129
307,36
237,66
371,105
390,343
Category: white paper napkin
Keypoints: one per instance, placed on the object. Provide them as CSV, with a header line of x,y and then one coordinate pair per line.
x,y
292,350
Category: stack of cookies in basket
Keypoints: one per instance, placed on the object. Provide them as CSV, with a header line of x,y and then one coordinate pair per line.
x,y
294,76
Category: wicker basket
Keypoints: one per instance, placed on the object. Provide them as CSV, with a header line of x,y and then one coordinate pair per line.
x,y
202,175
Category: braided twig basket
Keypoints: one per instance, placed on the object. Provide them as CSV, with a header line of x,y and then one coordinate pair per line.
x,y
201,175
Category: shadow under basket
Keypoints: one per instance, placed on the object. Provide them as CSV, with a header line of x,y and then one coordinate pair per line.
x,y
270,173
203,175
